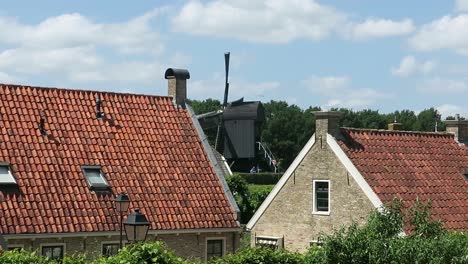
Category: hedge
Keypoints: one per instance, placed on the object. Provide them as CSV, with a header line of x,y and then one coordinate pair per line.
x,y
262,178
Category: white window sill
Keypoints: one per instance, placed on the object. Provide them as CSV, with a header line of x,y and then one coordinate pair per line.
x,y
321,213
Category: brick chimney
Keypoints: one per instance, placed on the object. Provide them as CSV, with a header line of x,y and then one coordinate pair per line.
x,y
327,122
177,84
459,128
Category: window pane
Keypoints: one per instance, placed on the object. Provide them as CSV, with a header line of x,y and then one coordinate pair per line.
x,y
94,176
321,196
110,249
53,252
5,175
214,249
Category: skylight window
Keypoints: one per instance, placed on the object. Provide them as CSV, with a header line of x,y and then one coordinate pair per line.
x,y
95,178
6,177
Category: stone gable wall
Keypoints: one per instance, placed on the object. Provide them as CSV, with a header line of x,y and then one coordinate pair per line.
x,y
290,213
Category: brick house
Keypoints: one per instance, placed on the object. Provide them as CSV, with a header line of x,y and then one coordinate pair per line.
x,y
343,173
66,154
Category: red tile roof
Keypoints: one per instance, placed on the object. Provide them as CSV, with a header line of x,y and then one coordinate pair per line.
x,y
146,147
409,165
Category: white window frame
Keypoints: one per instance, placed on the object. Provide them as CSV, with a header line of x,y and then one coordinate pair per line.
x,y
104,187
109,243
64,245
12,178
215,238
314,202
318,243
279,241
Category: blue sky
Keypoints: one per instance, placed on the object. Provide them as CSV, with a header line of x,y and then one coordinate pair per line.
x,y
385,55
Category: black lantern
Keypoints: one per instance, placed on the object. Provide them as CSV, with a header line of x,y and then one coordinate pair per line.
x,y
136,226
121,203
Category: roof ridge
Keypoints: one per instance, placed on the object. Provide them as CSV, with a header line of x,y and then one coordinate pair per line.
x,y
398,131
18,86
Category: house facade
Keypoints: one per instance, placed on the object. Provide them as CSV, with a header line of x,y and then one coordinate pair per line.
x,y
342,174
66,154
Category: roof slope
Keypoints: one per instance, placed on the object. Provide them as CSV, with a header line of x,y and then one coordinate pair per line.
x,y
408,165
145,145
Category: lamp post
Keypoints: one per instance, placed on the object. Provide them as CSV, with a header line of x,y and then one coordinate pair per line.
x,y
136,226
122,202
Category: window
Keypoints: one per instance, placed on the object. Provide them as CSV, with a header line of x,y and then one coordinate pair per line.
x,y
267,241
465,174
110,249
15,247
53,251
95,178
214,248
6,178
316,243
321,197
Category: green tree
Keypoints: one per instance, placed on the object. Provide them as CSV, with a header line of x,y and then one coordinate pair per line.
x,y
205,106
286,130
427,120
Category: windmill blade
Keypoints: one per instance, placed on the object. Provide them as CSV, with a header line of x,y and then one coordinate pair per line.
x,y
219,143
226,87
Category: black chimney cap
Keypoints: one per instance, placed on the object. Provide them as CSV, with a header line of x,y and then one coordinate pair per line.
x,y
177,73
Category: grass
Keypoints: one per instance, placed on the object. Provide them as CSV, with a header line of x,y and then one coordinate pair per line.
x,y
253,188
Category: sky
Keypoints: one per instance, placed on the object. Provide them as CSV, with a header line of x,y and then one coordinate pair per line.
x,y
359,54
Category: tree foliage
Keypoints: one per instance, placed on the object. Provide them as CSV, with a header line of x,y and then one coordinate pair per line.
x,y
205,106
287,128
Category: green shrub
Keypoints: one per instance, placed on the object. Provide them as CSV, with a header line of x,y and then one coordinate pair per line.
x,y
22,257
380,240
144,253
263,178
261,255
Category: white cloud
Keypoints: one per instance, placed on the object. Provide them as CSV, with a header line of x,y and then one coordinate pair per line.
x,y
72,30
378,28
339,93
444,33
279,21
129,71
451,110
74,47
214,88
445,86
461,5
36,61
327,85
409,65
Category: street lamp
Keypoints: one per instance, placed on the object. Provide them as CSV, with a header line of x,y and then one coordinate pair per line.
x,y
122,202
136,226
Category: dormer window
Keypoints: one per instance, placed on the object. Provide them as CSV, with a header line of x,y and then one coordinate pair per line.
x,y
6,177
95,178
465,174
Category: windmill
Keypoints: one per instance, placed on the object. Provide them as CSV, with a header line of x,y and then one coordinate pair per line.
x,y
237,125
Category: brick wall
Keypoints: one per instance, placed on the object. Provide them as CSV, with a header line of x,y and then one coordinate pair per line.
x,y
290,213
191,246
